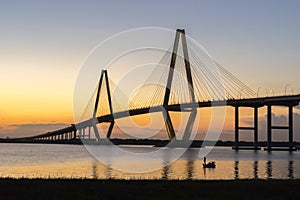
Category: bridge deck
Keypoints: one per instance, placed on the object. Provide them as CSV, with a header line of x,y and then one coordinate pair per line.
x,y
290,100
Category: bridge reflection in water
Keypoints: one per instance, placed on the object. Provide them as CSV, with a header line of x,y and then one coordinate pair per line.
x,y
191,169
72,161
189,166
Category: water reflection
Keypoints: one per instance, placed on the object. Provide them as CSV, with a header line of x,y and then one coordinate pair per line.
x,y
255,170
94,170
165,172
236,170
230,165
269,169
291,169
108,172
190,169
190,166
166,165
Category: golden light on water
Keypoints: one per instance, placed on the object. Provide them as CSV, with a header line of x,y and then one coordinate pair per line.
x,y
181,169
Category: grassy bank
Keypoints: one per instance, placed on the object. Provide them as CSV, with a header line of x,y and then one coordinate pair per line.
x,y
148,189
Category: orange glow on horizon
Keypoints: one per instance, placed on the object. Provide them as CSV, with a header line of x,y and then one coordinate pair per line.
x,y
50,110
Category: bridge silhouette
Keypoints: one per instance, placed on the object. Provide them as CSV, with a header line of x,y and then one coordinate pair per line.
x,y
196,86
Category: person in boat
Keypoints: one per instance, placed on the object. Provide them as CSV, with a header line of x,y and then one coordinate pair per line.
x,y
208,165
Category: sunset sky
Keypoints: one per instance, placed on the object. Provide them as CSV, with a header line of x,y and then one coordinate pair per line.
x,y
44,43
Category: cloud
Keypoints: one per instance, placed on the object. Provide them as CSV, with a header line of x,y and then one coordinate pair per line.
x,y
23,130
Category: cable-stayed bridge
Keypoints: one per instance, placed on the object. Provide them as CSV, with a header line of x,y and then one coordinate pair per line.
x,y
189,82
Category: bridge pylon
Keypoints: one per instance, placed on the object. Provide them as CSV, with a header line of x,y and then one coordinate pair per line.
x,y
104,76
180,33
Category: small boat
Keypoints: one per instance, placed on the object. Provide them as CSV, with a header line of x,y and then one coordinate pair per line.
x,y
209,165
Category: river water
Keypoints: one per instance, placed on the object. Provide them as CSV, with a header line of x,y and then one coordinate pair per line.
x,y
74,161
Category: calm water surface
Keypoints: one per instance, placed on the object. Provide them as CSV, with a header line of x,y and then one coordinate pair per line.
x,y
74,161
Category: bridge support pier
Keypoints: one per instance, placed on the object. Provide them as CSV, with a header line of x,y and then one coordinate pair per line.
x,y
291,125
269,124
74,134
254,129
236,130
289,128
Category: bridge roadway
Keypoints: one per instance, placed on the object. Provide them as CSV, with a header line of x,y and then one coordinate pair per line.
x,y
288,100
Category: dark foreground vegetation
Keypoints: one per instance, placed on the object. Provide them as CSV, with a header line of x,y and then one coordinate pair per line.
x,y
147,189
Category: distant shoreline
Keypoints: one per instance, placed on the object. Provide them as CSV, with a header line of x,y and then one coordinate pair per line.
x,y
150,142
148,189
